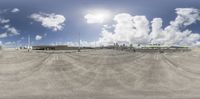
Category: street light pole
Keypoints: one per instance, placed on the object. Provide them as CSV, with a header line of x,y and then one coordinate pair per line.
x,y
79,48
29,41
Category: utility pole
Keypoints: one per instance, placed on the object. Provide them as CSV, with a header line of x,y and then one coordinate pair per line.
x,y
95,45
29,42
79,48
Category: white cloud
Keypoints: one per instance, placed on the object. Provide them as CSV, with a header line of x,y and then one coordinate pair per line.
x,y
157,35
97,16
11,30
185,17
127,29
130,29
3,35
38,37
107,37
76,44
0,42
174,34
107,26
93,18
15,10
4,21
9,43
51,21
6,28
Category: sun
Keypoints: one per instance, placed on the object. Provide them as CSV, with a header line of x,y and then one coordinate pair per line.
x,y
98,16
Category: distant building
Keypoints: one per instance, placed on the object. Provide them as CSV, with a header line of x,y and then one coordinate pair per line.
x,y
57,47
151,48
52,47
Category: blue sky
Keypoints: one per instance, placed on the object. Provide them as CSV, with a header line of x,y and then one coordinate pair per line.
x,y
75,22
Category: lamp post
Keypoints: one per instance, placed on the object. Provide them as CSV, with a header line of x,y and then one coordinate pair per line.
x,y
29,42
79,48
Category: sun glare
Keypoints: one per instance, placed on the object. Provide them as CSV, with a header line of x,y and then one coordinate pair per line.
x,y
98,16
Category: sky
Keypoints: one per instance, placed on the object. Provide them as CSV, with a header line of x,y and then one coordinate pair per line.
x,y
99,22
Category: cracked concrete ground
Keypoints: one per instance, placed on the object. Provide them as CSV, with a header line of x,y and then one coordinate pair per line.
x,y
99,74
